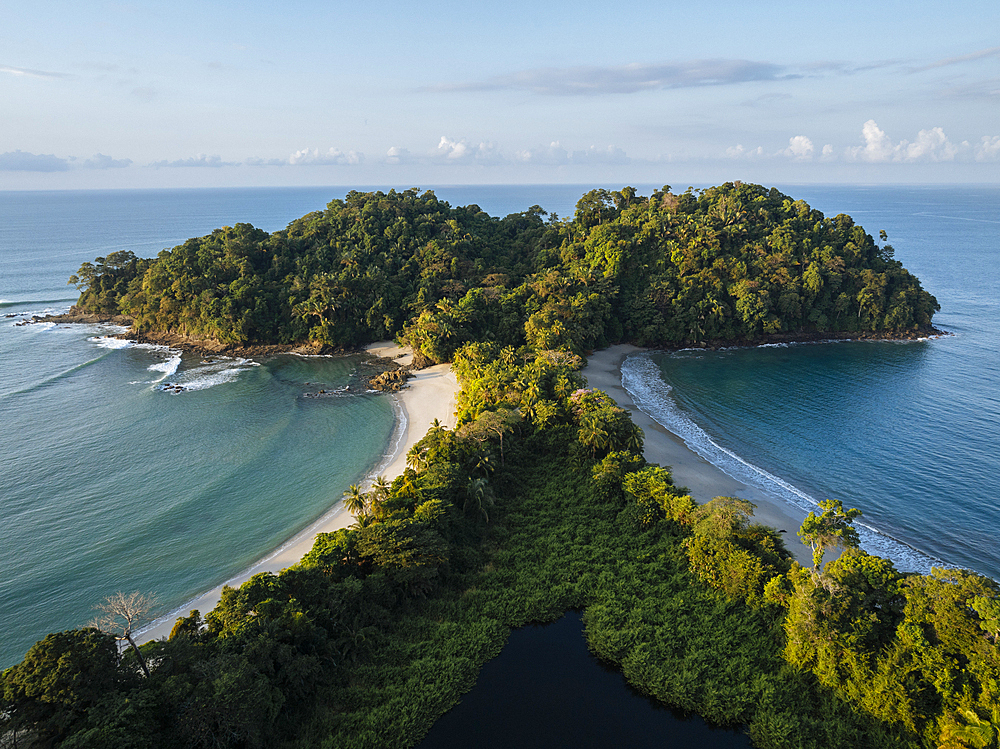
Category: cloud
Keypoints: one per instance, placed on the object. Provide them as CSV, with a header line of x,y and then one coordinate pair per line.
x,y
398,155
987,88
555,155
739,152
20,161
257,161
311,157
334,156
100,161
628,79
201,160
463,152
29,73
989,149
799,148
877,147
930,145
765,99
979,55
827,154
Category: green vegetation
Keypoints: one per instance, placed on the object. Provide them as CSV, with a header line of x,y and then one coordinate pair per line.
x,y
732,263
539,500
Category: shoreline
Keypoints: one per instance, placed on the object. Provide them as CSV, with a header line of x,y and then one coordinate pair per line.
x,y
703,480
431,393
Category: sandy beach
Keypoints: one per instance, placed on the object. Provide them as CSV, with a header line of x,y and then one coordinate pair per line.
x,y
703,480
431,395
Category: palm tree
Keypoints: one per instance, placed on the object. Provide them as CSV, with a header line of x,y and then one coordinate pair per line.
x,y
355,501
381,487
417,459
479,496
970,730
592,434
379,494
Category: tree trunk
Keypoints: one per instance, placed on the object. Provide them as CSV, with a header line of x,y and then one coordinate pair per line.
x,y
142,661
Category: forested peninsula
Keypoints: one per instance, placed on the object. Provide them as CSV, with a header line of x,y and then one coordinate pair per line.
x,y
733,264
540,499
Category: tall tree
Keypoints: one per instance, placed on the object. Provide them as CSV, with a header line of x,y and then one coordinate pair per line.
x,y
120,613
832,529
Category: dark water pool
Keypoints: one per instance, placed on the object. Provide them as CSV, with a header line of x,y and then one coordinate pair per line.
x,y
547,690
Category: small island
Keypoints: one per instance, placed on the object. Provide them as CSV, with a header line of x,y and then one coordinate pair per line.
x,y
540,499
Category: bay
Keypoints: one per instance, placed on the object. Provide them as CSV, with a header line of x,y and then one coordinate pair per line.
x,y
907,432
109,482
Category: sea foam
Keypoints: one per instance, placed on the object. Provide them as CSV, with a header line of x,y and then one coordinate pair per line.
x,y
168,367
642,379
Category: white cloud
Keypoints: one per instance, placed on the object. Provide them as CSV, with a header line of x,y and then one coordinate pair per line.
x,y
930,145
334,156
555,155
398,155
739,152
989,148
257,161
799,148
462,152
877,145
100,161
596,155
29,73
827,154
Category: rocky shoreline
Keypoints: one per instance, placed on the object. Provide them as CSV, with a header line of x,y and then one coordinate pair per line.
x,y
393,376
806,337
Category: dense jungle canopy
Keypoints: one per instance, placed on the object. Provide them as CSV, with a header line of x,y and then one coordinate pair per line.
x,y
540,500
732,263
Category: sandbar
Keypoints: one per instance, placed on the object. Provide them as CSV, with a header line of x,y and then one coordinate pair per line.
x,y
431,394
704,480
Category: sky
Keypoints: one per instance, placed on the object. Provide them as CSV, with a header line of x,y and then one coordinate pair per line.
x,y
187,94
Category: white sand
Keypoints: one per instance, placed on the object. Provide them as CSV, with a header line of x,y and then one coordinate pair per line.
x,y
704,480
431,394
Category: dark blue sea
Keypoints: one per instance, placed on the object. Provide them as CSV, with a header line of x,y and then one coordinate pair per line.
x,y
108,481
908,432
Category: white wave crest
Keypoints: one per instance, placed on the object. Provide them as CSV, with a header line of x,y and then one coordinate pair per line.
x,y
642,379
214,372
168,367
106,341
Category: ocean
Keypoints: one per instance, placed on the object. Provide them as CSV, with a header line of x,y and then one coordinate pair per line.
x,y
908,432
111,480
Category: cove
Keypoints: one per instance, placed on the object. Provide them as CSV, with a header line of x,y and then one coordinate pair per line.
x,y
546,689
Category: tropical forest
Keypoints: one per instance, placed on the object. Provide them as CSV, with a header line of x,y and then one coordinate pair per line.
x,y
539,501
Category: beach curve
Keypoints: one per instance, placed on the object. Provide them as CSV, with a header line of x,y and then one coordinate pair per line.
x,y
431,393
704,480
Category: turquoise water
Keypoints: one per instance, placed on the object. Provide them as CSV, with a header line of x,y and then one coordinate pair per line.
x,y
907,432
112,482
109,482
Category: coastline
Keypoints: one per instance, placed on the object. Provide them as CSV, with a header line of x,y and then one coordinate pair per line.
x,y
704,480
431,393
